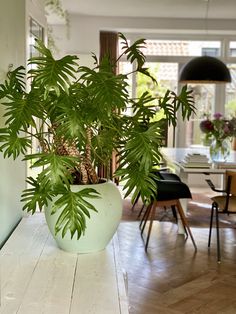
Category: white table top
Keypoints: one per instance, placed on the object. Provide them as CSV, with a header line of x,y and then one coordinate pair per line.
x,y
176,156
39,278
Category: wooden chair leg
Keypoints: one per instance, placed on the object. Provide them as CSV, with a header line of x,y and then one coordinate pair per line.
x,y
185,222
211,221
152,216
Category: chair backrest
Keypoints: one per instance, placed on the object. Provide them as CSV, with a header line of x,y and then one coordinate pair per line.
x,y
232,175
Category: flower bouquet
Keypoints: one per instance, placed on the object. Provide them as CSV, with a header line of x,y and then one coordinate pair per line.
x,y
218,133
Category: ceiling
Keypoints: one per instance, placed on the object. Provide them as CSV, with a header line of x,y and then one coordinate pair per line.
x,y
222,9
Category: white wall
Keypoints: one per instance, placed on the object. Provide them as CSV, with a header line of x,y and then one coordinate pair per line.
x,y
80,37
12,51
84,30
13,34
12,17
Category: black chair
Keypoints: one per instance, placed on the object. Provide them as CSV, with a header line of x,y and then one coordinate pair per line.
x,y
169,193
164,174
225,203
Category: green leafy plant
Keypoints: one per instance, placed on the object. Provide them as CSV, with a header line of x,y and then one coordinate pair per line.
x,y
74,113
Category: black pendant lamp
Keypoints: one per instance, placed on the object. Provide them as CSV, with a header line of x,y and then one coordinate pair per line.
x,y
205,69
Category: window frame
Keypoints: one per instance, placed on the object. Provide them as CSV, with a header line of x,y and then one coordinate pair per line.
x,y
220,89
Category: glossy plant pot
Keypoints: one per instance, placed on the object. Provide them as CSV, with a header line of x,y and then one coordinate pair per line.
x,y
101,226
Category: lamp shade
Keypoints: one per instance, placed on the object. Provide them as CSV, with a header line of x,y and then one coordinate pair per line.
x,y
205,69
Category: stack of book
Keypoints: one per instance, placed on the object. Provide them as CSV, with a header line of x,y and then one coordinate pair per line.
x,y
196,161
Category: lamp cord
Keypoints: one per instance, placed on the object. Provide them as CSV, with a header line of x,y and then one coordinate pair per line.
x,y
206,15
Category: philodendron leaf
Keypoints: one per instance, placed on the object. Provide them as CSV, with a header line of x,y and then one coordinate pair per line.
x,y
50,73
38,195
74,208
15,83
56,168
12,144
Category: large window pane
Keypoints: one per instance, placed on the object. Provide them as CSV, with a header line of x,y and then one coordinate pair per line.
x,y
230,105
204,98
121,44
232,49
166,75
182,48
126,68
36,31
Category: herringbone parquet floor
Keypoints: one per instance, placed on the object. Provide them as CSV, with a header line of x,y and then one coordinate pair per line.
x,y
171,278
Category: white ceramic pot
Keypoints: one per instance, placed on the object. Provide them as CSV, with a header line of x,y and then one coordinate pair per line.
x,y
101,226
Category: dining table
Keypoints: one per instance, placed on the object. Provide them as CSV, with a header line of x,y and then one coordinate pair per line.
x,y
176,159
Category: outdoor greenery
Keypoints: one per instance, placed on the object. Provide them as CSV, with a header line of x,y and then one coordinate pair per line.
x,y
230,108
74,114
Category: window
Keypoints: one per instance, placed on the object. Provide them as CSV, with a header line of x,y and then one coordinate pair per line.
x,y
204,98
212,52
125,68
36,31
232,48
230,103
121,44
181,48
165,56
233,52
165,73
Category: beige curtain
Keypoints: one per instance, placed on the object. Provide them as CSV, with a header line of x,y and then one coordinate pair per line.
x,y
109,46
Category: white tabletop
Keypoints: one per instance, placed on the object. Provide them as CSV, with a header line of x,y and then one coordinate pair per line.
x,y
39,278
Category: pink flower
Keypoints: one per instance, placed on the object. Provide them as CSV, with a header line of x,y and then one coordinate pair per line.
x,y
217,115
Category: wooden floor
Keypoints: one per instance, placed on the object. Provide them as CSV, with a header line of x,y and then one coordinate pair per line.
x,y
171,278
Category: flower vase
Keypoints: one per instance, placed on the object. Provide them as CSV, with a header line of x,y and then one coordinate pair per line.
x,y
220,150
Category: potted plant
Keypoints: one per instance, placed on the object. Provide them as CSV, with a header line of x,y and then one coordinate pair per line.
x,y
76,115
